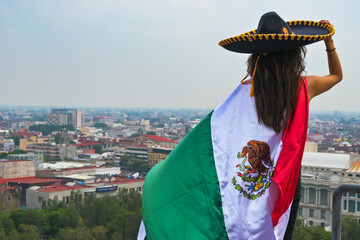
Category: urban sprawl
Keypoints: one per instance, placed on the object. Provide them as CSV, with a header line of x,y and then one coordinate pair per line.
x,y
48,153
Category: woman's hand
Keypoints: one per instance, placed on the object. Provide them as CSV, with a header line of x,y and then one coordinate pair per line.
x,y
329,43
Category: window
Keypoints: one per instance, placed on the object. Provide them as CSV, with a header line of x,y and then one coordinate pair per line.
x,y
345,194
302,199
66,199
351,206
322,214
312,195
358,206
345,205
311,223
351,194
311,212
139,189
300,212
358,195
322,224
9,197
323,197
41,199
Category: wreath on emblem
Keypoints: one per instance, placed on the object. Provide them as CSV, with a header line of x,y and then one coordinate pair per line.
x,y
256,170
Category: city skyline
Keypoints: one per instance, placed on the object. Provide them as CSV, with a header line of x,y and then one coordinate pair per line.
x,y
159,54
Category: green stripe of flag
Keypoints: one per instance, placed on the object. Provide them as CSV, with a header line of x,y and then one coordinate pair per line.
x,y
181,196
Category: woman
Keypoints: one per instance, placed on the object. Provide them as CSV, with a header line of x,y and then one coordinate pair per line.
x,y
235,174
277,80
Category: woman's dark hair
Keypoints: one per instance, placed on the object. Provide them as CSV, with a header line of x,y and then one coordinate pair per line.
x,y
276,85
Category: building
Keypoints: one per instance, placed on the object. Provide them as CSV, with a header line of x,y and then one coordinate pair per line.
x,y
155,155
10,199
130,184
53,150
17,168
105,145
66,117
7,145
140,152
321,174
36,157
36,195
105,188
155,141
32,140
104,119
311,146
23,183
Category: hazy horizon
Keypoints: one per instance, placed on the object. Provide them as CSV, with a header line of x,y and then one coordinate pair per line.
x,y
152,54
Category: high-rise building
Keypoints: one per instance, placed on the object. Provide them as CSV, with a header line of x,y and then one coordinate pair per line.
x,y
66,117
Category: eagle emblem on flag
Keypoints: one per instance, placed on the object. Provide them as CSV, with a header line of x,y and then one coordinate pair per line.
x,y
256,170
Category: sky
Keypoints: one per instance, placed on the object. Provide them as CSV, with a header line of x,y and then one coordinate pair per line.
x,y
158,54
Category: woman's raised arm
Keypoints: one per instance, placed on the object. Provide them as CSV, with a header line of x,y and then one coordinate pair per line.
x,y
320,84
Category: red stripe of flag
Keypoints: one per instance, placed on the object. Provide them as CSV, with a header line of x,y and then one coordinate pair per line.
x,y
289,163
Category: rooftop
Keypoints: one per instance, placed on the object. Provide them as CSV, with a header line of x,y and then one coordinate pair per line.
x,y
129,180
59,188
355,167
158,138
5,189
2,181
326,160
87,144
31,180
64,165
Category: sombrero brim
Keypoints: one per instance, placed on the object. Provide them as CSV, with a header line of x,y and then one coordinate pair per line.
x,y
304,33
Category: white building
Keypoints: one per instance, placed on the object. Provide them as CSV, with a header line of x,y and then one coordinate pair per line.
x,y
321,174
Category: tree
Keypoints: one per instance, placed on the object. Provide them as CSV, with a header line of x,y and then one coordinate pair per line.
x,y
138,165
16,139
8,225
46,129
99,232
350,229
57,138
75,234
150,133
29,232
304,232
18,216
5,155
51,159
101,125
140,131
98,211
134,135
98,148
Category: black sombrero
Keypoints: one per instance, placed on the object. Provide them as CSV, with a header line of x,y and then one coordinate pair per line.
x,y
274,35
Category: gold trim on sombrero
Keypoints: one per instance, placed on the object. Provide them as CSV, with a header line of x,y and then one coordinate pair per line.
x,y
251,35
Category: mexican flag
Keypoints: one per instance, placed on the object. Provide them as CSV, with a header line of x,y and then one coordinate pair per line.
x,y
229,178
